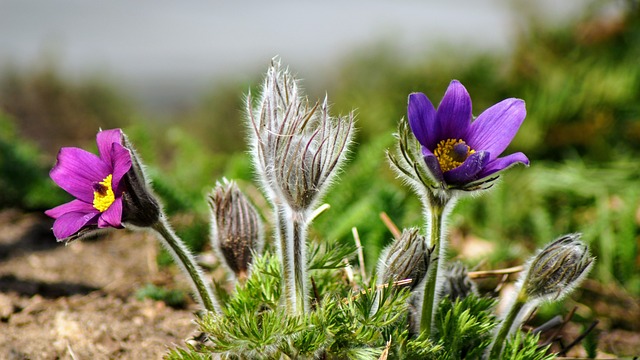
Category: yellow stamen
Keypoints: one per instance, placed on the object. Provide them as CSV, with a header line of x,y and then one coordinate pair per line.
x,y
449,155
103,195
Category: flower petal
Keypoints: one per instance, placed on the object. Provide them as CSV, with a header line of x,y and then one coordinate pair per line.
x,y
503,163
469,169
494,129
121,158
76,170
422,119
72,206
454,113
112,217
70,223
432,165
105,139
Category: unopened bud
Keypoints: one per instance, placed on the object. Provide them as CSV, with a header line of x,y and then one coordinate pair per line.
x,y
141,208
558,268
406,258
236,228
298,146
456,283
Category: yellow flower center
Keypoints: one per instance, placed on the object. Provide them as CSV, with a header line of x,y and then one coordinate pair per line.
x,y
451,153
103,195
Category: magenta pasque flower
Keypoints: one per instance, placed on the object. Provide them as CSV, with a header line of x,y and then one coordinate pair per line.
x,y
95,182
456,149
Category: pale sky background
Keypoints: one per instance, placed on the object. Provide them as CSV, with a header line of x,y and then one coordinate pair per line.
x,y
159,49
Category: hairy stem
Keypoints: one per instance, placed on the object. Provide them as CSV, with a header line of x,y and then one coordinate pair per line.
x,y
185,259
506,326
292,234
299,238
436,224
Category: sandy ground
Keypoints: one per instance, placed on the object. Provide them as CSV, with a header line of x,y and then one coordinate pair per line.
x,y
78,301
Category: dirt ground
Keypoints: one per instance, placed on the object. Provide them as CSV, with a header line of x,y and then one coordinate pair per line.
x,y
78,301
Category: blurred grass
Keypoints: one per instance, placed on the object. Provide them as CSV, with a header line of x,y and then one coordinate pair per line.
x,y
581,83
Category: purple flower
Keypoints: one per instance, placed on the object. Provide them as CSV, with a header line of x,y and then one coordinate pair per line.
x,y
94,181
457,150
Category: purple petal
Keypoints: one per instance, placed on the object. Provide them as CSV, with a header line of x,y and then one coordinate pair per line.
x,y
454,112
72,206
503,163
112,217
70,223
105,139
469,169
422,119
432,164
76,170
494,129
121,164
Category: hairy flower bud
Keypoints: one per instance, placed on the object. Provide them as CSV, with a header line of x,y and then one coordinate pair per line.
x,y
141,208
456,282
297,146
406,258
236,228
557,268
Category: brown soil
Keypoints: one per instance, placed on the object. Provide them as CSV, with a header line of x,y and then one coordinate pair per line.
x,y
79,301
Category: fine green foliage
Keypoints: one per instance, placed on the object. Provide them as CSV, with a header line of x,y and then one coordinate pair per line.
x,y
464,327
463,331
329,255
346,323
354,324
524,346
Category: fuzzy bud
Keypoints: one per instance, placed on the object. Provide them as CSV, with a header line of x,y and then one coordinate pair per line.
x,y
557,268
297,145
456,283
236,228
141,208
406,258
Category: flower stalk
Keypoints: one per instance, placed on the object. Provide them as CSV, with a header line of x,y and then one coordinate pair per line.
x,y
436,207
506,326
185,259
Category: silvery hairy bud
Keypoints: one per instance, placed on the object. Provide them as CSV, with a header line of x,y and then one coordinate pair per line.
x,y
456,283
298,146
406,258
557,268
141,208
236,228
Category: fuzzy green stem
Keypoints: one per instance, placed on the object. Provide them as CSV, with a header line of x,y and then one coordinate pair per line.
x,y
299,237
292,229
435,221
288,289
505,326
185,259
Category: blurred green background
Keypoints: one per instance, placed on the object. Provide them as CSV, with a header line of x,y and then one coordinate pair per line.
x,y
580,80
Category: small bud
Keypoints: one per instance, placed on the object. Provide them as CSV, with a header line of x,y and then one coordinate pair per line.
x,y
406,258
456,282
551,274
236,228
557,268
141,208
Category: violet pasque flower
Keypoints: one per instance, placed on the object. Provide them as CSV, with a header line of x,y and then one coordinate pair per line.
x,y
456,150
95,182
